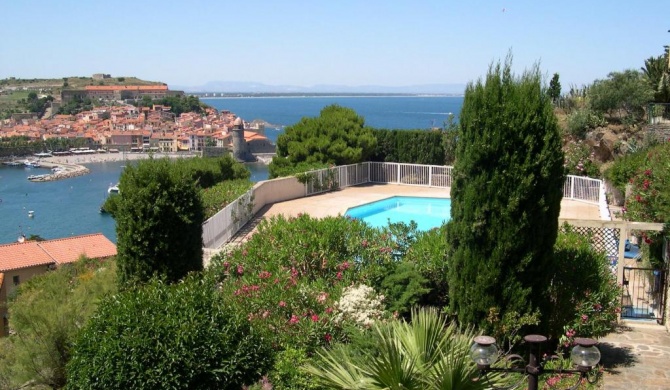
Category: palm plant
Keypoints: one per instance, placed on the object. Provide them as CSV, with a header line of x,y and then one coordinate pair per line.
x,y
426,354
657,74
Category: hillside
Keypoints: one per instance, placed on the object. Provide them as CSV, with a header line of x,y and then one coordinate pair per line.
x,y
13,90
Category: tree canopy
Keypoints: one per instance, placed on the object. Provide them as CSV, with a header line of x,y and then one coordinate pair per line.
x,y
623,95
337,136
506,196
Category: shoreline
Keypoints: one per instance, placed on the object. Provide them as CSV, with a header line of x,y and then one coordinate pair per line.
x,y
106,157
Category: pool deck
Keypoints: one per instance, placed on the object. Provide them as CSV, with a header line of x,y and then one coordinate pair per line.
x,y
337,202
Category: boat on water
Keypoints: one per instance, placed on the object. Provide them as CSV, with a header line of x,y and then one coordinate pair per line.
x,y
37,177
113,189
12,163
31,164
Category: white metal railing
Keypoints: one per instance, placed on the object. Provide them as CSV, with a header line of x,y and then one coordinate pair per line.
x,y
220,228
227,222
582,188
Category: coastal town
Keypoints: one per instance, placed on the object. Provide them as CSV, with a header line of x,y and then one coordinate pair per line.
x,y
116,125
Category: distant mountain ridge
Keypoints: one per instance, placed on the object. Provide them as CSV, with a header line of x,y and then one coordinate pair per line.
x,y
251,87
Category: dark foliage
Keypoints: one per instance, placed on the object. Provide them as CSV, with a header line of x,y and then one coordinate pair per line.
x,y
158,222
159,336
506,196
409,146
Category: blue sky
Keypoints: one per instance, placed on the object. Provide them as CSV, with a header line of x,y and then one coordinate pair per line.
x,y
304,43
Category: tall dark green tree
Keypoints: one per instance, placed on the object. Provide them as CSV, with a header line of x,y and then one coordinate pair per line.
x,y
554,88
506,196
158,222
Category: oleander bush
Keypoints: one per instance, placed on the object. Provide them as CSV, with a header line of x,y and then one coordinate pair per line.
x,y
308,283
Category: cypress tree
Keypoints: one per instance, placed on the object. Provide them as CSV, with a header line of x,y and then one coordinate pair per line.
x,y
506,196
158,222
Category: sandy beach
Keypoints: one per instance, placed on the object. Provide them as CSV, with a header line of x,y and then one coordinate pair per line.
x,y
84,159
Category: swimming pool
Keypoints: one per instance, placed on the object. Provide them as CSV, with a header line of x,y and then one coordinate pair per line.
x,y
428,213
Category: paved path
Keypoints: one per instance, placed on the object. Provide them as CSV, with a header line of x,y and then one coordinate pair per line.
x,y
636,357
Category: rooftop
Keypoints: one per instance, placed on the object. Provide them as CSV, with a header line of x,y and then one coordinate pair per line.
x,y
59,251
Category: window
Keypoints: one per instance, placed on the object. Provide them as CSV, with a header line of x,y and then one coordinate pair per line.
x,y
16,280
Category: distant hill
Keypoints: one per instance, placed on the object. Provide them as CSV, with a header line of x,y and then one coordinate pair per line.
x,y
251,87
74,82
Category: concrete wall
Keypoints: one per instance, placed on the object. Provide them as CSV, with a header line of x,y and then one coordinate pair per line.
x,y
277,190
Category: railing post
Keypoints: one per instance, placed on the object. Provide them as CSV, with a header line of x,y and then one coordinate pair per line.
x,y
369,177
430,176
572,187
398,178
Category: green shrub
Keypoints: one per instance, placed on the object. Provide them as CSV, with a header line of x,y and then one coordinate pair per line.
x,y
158,222
583,290
624,168
289,275
47,313
168,337
218,196
287,373
428,254
582,120
580,160
409,146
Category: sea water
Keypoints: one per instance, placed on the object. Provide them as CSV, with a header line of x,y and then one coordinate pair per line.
x,y
382,112
70,207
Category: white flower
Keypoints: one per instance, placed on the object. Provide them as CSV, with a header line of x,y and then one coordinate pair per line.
x,y
360,304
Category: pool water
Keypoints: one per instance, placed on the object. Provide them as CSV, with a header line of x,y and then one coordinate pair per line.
x,y
428,213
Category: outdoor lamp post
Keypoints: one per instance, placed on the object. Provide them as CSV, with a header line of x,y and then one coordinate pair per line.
x,y
584,356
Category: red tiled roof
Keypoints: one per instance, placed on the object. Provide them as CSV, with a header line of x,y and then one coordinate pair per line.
x,y
68,250
22,255
60,251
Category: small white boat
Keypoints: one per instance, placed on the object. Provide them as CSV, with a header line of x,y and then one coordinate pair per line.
x,y
31,214
113,189
31,164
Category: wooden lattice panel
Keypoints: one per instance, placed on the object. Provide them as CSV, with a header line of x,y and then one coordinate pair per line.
x,y
603,239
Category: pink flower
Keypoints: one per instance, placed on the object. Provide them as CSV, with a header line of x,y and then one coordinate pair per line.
x,y
226,264
647,172
315,318
364,243
328,337
240,270
294,319
282,304
264,275
266,314
244,252
321,298
329,310
584,317
570,333
339,275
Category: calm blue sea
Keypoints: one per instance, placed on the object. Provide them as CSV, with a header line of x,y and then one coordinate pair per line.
x,y
383,112
71,207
